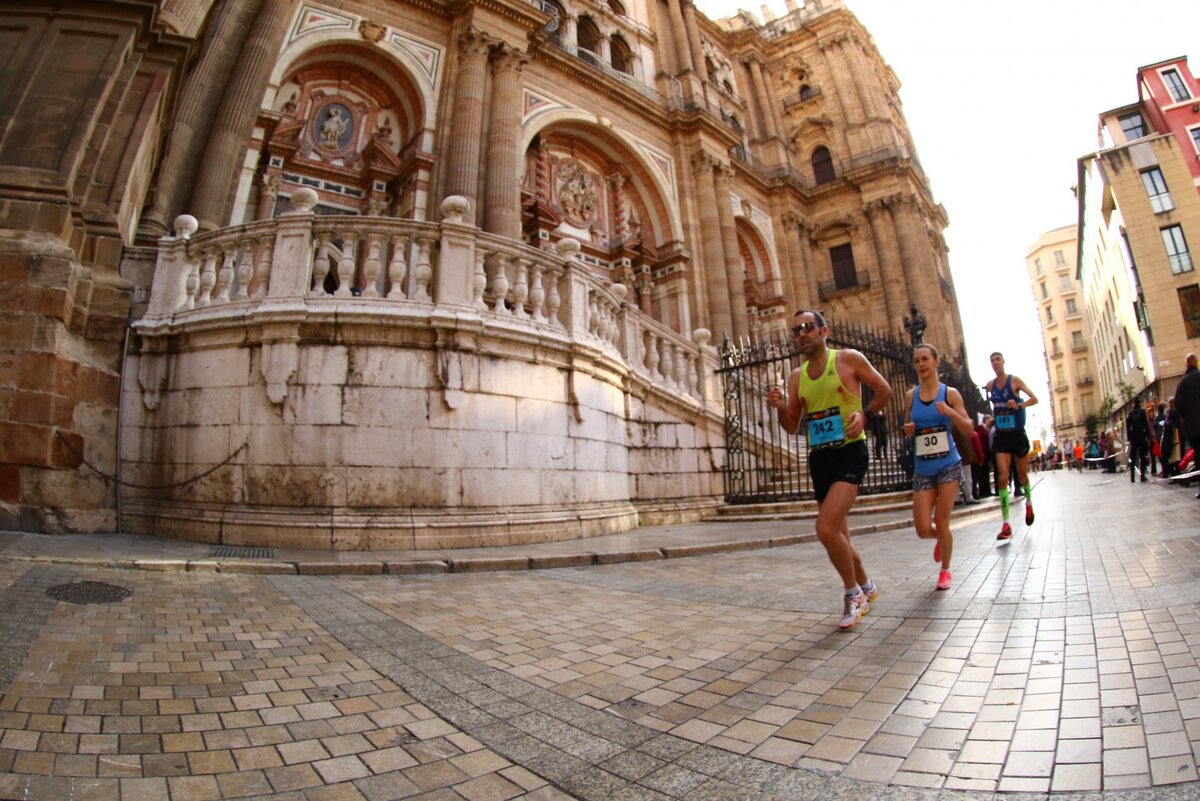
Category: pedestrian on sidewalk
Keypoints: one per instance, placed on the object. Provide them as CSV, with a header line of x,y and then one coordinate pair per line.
x,y
1011,444
1137,429
825,393
932,408
1187,403
981,473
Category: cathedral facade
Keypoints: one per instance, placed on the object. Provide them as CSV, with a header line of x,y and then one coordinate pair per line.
x,y
425,274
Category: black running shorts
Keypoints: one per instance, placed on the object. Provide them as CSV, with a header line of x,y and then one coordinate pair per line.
x,y
1014,442
847,463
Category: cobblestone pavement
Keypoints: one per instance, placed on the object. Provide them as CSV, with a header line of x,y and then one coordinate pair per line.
x,y
1065,663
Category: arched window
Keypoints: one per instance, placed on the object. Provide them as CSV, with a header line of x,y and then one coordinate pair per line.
x,y
622,57
806,92
617,8
822,166
587,35
710,69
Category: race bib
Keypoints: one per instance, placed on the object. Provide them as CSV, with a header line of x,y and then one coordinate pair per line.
x,y
825,429
932,442
1006,421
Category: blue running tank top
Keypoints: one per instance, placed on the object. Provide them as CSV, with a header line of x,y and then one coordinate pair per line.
x,y
933,444
1006,419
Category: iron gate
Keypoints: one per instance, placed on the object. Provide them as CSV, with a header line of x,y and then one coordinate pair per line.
x,y
763,462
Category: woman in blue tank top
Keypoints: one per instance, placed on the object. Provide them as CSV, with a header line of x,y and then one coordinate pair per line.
x,y
932,408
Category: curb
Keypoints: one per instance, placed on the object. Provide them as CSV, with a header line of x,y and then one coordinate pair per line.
x,y
471,564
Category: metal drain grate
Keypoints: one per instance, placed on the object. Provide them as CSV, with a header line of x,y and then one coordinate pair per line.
x,y
234,552
88,592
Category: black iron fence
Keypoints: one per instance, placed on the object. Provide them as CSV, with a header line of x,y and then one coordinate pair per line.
x,y
765,464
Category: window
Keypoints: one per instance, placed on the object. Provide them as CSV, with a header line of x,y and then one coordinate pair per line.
x,y
1064,415
1195,132
1133,126
1175,85
1085,400
1045,294
1054,348
1189,304
1060,376
1065,284
587,35
1059,259
1076,339
844,274
1072,309
1156,189
1081,369
1177,249
1038,261
822,166
1049,315
622,58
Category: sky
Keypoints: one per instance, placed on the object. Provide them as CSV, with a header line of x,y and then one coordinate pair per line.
x,y
1002,99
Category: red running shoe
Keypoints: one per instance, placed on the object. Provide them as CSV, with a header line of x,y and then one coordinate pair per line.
x,y
1028,513
943,582
1005,535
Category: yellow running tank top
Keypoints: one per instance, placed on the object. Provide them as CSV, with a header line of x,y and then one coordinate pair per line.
x,y
829,406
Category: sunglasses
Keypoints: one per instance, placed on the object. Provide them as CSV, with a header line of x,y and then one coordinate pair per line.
x,y
803,328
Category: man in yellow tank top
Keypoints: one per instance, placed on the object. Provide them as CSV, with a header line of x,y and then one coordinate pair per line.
x,y
826,394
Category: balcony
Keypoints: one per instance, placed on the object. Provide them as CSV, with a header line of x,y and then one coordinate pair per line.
x,y
830,289
1079,348
1084,381
1055,354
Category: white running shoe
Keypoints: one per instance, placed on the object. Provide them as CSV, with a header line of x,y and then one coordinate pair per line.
x,y
855,607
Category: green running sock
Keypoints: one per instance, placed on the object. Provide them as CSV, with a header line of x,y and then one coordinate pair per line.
x,y
1004,503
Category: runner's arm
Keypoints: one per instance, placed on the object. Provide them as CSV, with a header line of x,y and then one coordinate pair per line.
x,y
866,373
960,419
1021,386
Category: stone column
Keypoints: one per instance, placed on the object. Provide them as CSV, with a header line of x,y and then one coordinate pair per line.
x,y
840,70
542,179
760,97
716,284
223,154
620,213
804,285
693,35
503,201
462,170
683,54
267,193
891,274
197,105
735,272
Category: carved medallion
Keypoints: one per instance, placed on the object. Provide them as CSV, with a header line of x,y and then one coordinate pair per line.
x,y
576,193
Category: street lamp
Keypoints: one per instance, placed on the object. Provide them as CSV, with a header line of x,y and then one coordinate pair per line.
x,y
915,325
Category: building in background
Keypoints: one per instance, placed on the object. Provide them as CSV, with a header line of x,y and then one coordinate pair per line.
x,y
1139,222
1066,335
363,274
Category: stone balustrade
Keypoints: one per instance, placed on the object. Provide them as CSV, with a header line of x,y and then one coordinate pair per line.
x,y
308,261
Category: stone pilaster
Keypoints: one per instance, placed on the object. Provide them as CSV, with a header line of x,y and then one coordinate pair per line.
x,y
462,170
198,99
847,95
502,196
716,285
919,271
223,154
693,35
734,270
765,112
887,257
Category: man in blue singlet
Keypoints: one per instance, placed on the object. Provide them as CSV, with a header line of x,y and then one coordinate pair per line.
x,y
1011,443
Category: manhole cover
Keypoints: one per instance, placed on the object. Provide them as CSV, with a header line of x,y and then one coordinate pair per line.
x,y
234,552
88,592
